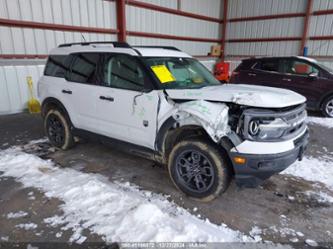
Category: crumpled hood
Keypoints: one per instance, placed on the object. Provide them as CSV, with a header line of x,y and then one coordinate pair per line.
x,y
249,95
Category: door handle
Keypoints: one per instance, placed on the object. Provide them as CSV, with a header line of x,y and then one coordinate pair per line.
x,y
106,98
286,79
251,74
67,91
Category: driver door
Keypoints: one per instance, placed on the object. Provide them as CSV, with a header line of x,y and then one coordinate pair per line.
x,y
125,111
297,78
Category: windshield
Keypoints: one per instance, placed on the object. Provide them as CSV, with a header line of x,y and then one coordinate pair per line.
x,y
180,73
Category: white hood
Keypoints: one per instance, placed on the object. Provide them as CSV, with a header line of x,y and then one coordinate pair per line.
x,y
249,95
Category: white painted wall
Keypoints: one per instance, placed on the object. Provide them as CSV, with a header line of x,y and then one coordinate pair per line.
x,y
14,93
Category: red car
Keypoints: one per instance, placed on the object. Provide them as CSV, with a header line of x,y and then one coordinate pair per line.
x,y
300,74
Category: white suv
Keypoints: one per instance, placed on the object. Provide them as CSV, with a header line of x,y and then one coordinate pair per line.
x,y
161,103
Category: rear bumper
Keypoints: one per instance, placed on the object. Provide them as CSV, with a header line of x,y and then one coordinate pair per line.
x,y
258,168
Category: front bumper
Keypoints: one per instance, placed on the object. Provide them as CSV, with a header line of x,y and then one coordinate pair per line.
x,y
258,168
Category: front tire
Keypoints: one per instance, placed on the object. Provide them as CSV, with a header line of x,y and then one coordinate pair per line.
x,y
57,128
198,169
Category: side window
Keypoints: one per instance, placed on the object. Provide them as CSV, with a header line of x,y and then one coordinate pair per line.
x,y
267,65
124,72
57,66
298,67
84,68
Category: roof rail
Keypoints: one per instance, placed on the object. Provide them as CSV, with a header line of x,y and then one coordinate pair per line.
x,y
163,47
115,44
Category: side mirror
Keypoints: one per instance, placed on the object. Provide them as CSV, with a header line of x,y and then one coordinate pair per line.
x,y
313,76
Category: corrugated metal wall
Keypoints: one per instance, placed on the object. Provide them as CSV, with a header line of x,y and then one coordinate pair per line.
x,y
144,20
285,27
87,13
102,14
321,26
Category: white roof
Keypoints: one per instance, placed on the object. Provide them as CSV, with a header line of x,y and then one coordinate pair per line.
x,y
107,48
161,52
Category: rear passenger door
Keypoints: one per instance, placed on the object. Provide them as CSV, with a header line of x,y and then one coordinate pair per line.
x,y
297,77
125,112
82,90
266,72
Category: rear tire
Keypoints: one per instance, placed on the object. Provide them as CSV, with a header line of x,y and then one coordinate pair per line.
x,y
58,129
327,107
198,169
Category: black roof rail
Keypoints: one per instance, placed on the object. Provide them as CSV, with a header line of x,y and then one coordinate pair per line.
x,y
163,47
115,44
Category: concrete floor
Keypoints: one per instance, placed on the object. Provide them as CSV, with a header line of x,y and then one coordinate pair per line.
x,y
240,209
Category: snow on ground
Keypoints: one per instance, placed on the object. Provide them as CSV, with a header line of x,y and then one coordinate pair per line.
x,y
17,215
320,196
117,212
313,169
27,226
327,122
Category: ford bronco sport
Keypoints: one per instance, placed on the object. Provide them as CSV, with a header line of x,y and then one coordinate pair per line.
x,y
161,103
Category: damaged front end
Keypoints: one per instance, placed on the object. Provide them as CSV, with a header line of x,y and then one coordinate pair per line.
x,y
260,142
213,117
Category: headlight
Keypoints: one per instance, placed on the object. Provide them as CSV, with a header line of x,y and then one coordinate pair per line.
x,y
267,128
271,125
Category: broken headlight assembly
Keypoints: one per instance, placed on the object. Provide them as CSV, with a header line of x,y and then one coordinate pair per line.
x,y
266,125
266,129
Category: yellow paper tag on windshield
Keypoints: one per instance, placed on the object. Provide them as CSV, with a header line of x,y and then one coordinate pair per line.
x,y
163,73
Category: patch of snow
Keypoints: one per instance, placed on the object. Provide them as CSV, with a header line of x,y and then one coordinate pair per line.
x,y
58,235
294,240
55,221
31,247
4,238
255,233
17,215
27,226
81,240
300,234
311,242
326,122
38,141
115,211
313,169
284,231
320,196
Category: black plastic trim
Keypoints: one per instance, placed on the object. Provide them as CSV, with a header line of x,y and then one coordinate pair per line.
x,y
115,44
162,47
258,168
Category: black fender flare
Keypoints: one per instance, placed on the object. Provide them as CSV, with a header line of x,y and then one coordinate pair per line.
x,y
162,132
322,99
58,104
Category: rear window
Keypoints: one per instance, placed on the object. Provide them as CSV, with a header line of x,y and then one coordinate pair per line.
x,y
245,65
267,65
84,67
57,66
